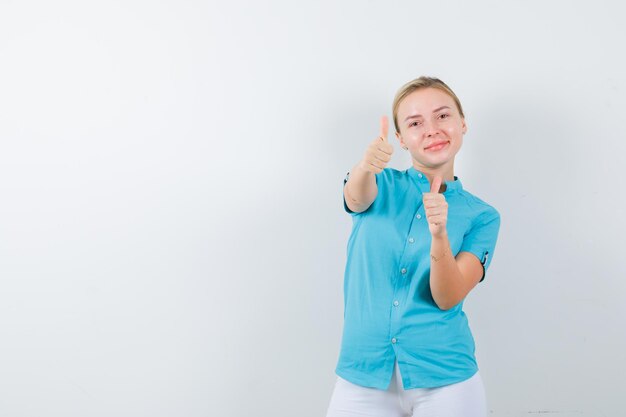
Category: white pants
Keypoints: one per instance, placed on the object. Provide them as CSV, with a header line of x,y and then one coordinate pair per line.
x,y
462,399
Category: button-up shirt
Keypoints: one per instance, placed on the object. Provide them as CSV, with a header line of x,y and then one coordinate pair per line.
x,y
389,311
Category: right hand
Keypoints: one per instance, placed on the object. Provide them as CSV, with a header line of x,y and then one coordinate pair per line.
x,y
378,153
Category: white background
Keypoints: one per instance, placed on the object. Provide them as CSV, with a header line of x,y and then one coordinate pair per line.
x,y
172,237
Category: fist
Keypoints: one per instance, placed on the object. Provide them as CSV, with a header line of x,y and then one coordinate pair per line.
x,y
436,208
378,153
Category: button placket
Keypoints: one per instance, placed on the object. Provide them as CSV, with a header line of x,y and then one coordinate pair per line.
x,y
406,264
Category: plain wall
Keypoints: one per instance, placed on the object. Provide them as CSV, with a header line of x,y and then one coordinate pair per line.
x,y
172,236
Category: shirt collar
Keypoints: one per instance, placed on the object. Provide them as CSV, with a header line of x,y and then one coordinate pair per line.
x,y
422,181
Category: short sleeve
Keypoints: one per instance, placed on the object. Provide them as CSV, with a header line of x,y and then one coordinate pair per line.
x,y
481,239
345,206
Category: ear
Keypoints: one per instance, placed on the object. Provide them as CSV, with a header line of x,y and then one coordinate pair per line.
x,y
464,126
399,136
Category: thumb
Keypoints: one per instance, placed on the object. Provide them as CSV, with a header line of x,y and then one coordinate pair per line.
x,y
436,185
384,128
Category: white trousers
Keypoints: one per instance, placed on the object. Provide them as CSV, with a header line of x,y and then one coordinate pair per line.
x,y
462,399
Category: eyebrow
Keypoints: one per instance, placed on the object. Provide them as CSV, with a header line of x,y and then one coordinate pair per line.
x,y
415,116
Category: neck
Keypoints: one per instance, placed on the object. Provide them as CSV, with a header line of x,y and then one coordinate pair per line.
x,y
446,171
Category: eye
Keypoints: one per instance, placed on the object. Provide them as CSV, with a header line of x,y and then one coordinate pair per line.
x,y
414,123
444,114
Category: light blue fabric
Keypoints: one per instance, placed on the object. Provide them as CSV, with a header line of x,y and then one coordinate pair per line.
x,y
389,311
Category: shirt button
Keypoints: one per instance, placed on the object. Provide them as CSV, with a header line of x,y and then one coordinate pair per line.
x,y
419,175
396,303
403,270
411,240
418,216
393,340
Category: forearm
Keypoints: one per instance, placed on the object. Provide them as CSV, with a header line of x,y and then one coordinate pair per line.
x,y
360,190
445,276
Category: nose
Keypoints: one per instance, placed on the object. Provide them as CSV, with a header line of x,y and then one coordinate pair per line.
x,y
430,129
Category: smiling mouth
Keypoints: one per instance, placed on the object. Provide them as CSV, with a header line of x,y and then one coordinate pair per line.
x,y
436,147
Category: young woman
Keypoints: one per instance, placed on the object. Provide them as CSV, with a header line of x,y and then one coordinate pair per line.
x,y
420,243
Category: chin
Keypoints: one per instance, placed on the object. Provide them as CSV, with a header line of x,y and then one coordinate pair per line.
x,y
438,160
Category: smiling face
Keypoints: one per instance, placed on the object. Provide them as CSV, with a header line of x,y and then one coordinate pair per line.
x,y
432,129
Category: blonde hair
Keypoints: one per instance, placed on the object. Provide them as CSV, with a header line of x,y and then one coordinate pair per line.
x,y
418,84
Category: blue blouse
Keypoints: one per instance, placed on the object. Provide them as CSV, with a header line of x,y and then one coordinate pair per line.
x,y
389,311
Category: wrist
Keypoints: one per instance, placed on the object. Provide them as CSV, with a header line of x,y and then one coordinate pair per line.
x,y
442,237
361,170
438,257
439,247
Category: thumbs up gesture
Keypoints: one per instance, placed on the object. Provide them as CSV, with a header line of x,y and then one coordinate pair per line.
x,y
378,153
436,208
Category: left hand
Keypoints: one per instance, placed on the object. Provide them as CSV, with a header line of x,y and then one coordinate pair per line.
x,y
436,208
